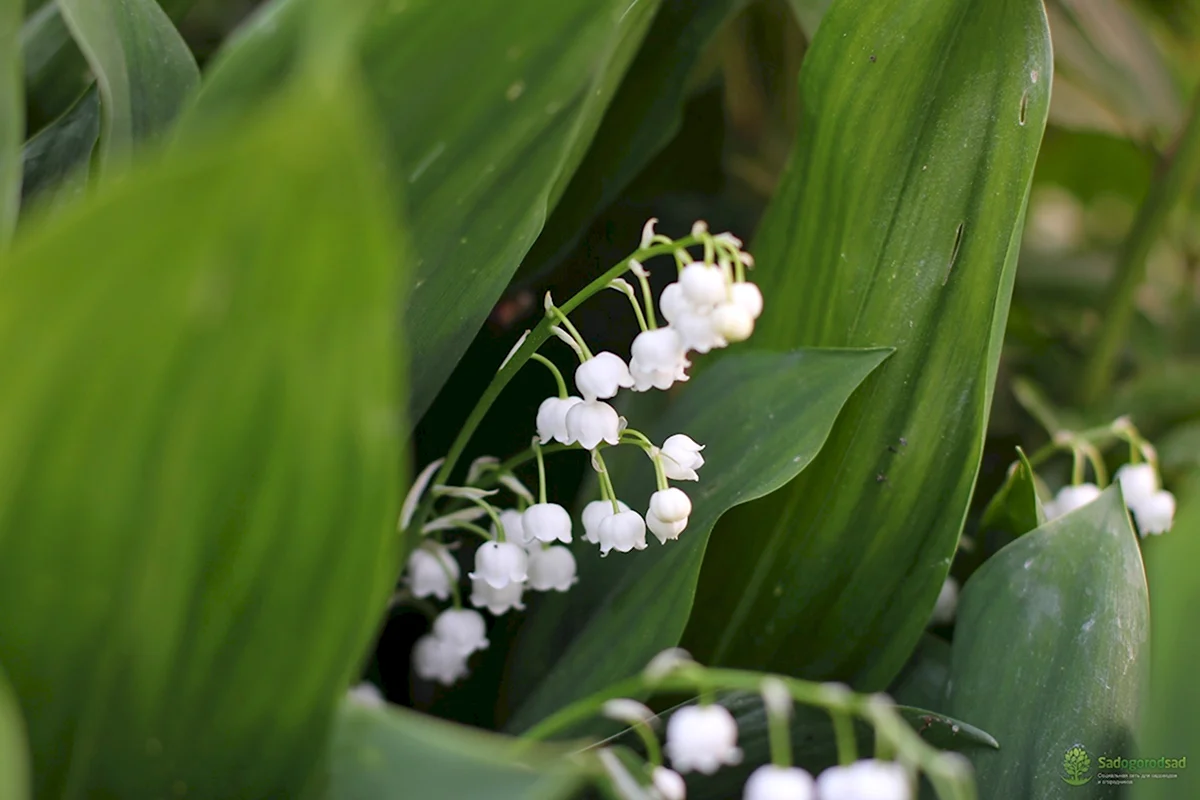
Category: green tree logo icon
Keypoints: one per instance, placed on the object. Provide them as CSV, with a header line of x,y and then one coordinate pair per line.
x,y
1077,765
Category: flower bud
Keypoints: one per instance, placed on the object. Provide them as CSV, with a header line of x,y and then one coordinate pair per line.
x,y
702,739
749,297
703,284
552,568
669,784
547,522
672,302
670,505
602,376
552,419
947,603
500,563
732,322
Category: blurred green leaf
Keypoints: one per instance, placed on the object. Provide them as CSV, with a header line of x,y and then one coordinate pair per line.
x,y
56,72
1160,396
1168,724
392,753
626,609
1015,509
926,677
897,223
1050,649
199,455
1179,449
12,116
486,114
56,159
809,14
645,114
143,67
1111,74
14,754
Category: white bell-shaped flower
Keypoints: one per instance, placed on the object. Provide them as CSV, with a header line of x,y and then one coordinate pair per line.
x,y
698,331
622,532
670,505
552,568
665,531
461,628
749,297
672,302
681,457
497,601
703,284
947,602
865,780
1070,498
702,739
593,422
431,570
594,513
1138,482
437,660
602,376
732,322
770,782
514,526
661,348
1156,513
500,563
552,419
669,784
547,522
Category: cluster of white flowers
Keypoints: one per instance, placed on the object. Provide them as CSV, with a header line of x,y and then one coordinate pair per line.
x,y
1152,506
710,305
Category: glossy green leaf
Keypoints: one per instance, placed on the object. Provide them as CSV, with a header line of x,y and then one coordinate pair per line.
x,y
199,455
1050,649
143,68
1015,509
809,14
486,117
897,223
1168,724
645,114
926,677
12,116
392,753
627,607
14,753
56,159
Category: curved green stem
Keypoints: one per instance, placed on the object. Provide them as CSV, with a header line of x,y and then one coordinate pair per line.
x,y
541,462
558,378
1176,175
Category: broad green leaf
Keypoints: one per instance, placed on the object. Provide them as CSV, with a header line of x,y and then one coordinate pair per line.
x,y
897,222
199,456
384,753
809,14
1168,724
645,114
12,115
761,417
926,677
56,159
1050,650
143,68
1015,509
14,753
486,116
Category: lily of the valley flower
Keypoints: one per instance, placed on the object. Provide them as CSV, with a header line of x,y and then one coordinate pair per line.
x,y
497,601
437,660
602,376
547,522
552,419
669,784
665,531
552,568
659,359
1156,513
770,782
1070,498
947,602
592,422
462,629
702,739
748,296
500,563
622,532
681,457
594,513
431,570
732,322
703,284
878,780
514,527
670,505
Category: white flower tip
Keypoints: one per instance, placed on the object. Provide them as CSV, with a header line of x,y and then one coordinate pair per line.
x,y
513,351
622,709
776,697
622,286
648,232
637,269
666,662
699,228
548,302
366,695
